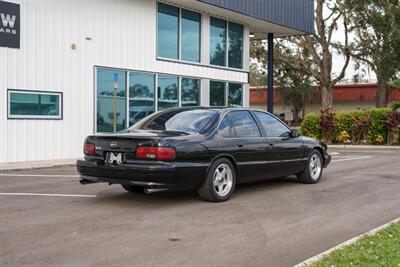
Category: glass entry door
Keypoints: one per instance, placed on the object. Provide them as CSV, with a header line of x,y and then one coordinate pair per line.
x,y
141,96
111,100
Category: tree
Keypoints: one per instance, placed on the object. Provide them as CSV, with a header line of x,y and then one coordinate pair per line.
x,y
296,87
293,85
396,84
257,76
376,24
313,53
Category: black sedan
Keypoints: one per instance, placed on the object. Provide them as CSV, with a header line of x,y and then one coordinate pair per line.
x,y
207,149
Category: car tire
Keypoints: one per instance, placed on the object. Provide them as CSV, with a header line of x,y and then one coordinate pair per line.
x,y
313,172
133,189
220,181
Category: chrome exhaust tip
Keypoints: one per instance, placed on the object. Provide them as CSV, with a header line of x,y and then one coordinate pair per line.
x,y
84,181
155,190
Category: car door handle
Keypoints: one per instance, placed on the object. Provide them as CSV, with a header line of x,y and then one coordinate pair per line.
x,y
240,145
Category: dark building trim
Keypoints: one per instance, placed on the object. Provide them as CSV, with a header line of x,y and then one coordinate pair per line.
x,y
295,14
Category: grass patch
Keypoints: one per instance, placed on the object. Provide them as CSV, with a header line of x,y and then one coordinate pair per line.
x,y
382,249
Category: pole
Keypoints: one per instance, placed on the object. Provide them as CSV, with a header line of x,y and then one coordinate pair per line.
x,y
115,101
270,77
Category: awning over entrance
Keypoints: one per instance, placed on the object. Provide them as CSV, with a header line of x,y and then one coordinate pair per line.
x,y
266,19
280,17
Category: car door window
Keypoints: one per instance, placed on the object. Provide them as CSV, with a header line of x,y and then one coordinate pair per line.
x,y
272,126
225,127
244,124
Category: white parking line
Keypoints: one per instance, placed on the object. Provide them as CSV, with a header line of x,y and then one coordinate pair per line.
x,y
46,195
355,158
37,175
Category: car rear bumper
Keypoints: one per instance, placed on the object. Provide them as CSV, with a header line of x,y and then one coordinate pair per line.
x,y
154,175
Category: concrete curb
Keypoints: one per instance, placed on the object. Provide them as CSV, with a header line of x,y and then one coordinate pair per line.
x,y
38,164
365,147
346,243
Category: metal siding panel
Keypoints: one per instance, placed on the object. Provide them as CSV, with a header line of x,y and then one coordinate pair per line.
x,y
47,62
296,14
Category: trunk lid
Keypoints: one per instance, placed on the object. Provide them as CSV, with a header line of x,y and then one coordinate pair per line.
x,y
127,141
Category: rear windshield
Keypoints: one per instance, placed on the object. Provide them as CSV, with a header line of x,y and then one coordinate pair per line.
x,y
188,121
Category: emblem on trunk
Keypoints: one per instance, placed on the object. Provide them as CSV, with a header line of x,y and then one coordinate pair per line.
x,y
113,144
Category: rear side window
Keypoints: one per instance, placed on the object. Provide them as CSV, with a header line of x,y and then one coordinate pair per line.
x,y
244,124
225,128
272,126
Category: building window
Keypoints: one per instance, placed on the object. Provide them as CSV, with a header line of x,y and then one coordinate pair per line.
x,y
141,96
191,22
217,94
226,94
178,33
235,40
190,92
226,43
125,97
111,100
217,42
235,95
24,104
167,92
167,31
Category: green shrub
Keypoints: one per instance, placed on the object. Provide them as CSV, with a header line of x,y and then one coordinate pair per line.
x,y
310,126
395,106
378,128
347,122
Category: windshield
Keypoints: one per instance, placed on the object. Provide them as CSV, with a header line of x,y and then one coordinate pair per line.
x,y
188,121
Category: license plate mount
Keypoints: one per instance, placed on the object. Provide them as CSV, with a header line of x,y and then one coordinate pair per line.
x,y
115,158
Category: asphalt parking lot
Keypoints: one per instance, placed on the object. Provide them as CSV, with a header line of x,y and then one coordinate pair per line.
x,y
48,218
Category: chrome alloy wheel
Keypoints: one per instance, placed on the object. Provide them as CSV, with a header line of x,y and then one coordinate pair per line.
x,y
315,166
223,179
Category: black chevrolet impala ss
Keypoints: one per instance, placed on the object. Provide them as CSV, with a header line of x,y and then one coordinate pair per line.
x,y
207,149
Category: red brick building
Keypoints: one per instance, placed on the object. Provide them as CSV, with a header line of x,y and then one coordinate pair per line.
x,y
346,97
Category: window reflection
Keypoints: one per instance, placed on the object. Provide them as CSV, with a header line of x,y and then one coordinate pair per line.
x,y
189,121
190,94
225,128
272,126
167,92
235,51
235,95
34,104
167,31
141,96
217,42
244,124
217,94
190,36
105,100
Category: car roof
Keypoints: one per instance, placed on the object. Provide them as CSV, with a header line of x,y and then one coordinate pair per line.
x,y
220,109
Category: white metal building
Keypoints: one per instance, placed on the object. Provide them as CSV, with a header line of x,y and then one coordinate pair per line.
x,y
57,81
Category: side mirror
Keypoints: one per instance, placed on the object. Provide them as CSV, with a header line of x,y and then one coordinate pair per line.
x,y
294,133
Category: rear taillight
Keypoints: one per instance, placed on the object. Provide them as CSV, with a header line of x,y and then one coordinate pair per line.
x,y
89,149
159,153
